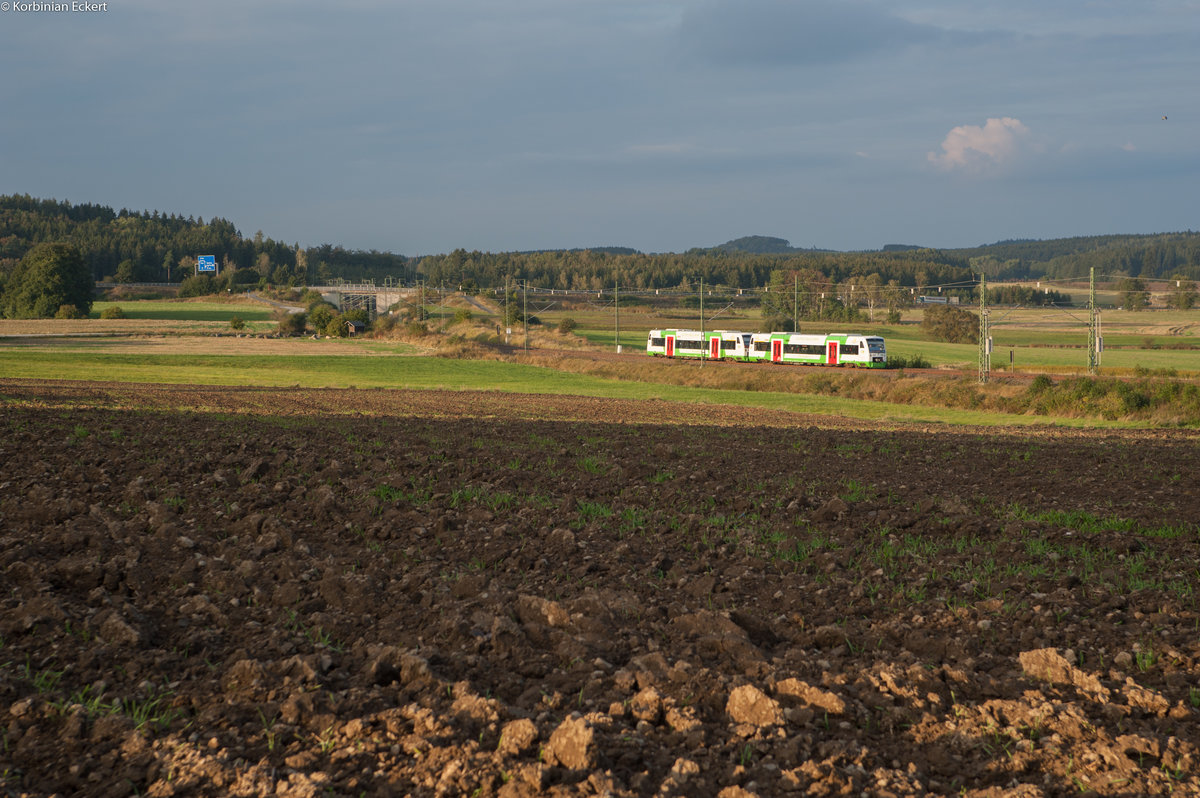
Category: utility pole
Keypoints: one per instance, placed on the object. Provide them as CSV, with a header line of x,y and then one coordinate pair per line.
x,y
525,311
703,343
985,343
1093,325
617,305
795,302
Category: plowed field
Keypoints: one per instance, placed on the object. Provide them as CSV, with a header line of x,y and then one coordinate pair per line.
x,y
213,591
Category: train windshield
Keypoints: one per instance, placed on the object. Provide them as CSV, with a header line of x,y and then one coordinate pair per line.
x,y
875,345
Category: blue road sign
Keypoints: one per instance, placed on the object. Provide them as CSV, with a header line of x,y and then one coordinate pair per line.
x,y
206,263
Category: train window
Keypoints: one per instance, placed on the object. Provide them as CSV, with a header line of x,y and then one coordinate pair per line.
x,y
729,344
683,344
875,344
762,346
849,349
657,342
804,349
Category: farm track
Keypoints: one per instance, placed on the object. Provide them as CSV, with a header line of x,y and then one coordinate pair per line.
x,y
216,591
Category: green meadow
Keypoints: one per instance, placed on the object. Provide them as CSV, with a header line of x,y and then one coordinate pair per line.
x,y
341,371
1036,340
1053,340
179,310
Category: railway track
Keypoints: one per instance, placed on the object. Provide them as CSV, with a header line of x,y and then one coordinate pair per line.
x,y
634,357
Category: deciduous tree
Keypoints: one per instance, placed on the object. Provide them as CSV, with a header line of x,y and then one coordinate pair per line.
x,y
1183,294
950,324
50,276
1134,295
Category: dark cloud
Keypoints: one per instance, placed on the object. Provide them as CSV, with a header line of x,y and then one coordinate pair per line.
x,y
758,32
426,125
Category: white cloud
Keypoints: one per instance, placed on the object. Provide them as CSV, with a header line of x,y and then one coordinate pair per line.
x,y
980,149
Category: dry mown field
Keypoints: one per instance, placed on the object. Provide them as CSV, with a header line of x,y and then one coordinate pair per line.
x,y
213,591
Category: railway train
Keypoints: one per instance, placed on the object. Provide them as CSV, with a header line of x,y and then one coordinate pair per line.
x,y
863,351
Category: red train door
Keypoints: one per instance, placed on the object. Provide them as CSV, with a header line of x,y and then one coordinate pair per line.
x,y
670,346
833,353
714,348
776,351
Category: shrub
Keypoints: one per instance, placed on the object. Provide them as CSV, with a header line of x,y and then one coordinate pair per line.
x,y
334,327
237,323
567,325
950,324
1133,399
462,315
291,323
777,324
1041,383
198,285
68,312
916,361
320,314
114,312
385,323
357,314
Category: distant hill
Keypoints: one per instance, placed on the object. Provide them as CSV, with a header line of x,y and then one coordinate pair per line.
x,y
601,250
759,245
756,245
146,246
1155,255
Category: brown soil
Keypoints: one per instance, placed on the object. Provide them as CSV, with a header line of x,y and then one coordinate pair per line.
x,y
213,591
221,343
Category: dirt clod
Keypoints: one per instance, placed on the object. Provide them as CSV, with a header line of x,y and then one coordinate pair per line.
x,y
263,592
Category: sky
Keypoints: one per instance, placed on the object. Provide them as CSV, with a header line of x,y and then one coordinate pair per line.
x,y
422,126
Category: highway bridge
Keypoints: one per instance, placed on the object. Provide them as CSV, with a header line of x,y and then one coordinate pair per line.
x,y
369,296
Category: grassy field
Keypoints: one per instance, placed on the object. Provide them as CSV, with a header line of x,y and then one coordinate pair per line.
x,y
1052,340
187,310
340,371
174,342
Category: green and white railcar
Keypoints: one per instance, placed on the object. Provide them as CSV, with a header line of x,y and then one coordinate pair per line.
x,y
709,345
864,351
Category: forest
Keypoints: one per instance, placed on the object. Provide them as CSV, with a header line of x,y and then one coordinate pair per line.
x,y
143,246
153,246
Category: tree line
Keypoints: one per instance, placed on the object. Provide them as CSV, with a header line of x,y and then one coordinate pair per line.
x,y
590,270
149,246
131,246
1152,257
